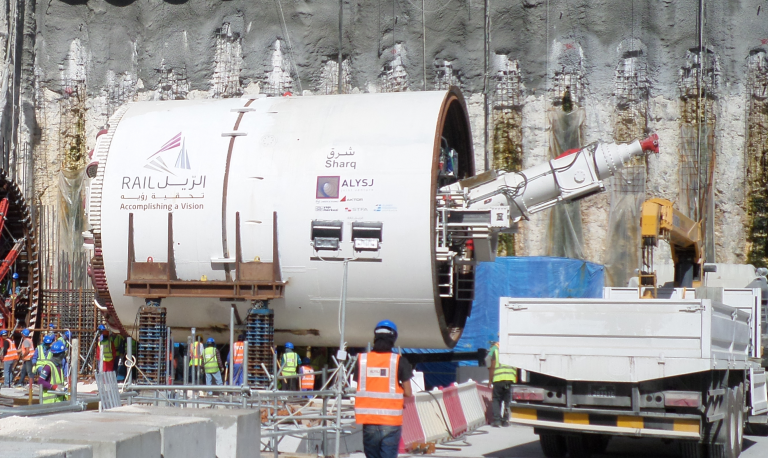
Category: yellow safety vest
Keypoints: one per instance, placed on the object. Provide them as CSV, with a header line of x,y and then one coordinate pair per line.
x,y
57,378
502,373
106,350
196,354
211,361
290,363
43,356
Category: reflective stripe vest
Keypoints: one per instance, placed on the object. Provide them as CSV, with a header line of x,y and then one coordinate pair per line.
x,y
106,349
502,373
57,378
211,361
237,356
196,354
12,354
379,398
290,363
43,356
307,381
30,353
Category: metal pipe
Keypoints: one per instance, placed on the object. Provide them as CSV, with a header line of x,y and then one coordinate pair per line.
x,y
74,363
128,357
343,356
232,345
244,368
325,411
341,43
221,388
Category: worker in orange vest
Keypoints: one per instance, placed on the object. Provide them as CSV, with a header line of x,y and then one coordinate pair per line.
x,y
10,356
27,353
307,375
383,381
238,349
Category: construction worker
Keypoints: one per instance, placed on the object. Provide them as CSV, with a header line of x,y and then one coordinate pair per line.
x,y
118,342
381,392
307,375
27,353
289,364
51,330
238,350
195,360
212,363
10,356
52,374
500,378
105,352
42,354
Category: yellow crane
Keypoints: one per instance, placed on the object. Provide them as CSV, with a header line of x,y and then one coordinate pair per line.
x,y
659,220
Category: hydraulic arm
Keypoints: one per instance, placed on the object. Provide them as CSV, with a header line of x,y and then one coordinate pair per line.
x,y
660,221
492,202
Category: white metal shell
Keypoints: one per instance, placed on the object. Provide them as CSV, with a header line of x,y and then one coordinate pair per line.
x,y
369,157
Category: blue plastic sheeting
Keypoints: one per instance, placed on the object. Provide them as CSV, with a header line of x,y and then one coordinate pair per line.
x,y
534,276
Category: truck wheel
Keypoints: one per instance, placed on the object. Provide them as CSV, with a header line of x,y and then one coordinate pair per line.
x,y
727,443
598,443
737,420
690,449
552,444
578,446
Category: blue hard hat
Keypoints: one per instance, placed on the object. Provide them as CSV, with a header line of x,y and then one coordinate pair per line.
x,y
67,335
289,346
305,360
15,276
386,324
210,340
52,326
3,333
25,332
58,347
102,327
48,340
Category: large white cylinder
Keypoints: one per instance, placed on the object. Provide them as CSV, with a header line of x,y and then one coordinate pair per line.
x,y
367,157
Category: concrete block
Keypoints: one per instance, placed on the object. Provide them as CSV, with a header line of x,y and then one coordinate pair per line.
x,y
238,431
47,450
180,437
107,437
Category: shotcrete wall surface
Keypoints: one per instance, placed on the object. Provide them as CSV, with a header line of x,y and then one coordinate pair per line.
x,y
118,51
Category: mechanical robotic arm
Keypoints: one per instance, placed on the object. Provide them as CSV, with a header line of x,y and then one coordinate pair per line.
x,y
480,207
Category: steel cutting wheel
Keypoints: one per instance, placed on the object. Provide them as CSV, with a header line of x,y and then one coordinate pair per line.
x,y
18,252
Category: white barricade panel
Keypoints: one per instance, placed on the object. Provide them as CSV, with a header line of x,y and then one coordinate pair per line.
x,y
433,416
470,402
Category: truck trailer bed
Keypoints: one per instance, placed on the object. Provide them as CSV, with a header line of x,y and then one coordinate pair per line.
x,y
627,340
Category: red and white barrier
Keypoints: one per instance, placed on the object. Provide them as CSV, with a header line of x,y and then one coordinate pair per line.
x,y
440,415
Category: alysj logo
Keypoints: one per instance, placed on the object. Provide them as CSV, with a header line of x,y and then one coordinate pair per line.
x,y
155,162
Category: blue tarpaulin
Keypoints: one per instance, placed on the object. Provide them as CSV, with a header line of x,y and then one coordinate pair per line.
x,y
534,276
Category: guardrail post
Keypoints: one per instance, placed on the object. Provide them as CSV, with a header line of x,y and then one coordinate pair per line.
x,y
74,369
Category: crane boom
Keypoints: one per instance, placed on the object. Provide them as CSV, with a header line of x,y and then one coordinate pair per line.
x,y
661,221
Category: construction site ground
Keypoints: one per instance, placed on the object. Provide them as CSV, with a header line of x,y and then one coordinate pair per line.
x,y
520,442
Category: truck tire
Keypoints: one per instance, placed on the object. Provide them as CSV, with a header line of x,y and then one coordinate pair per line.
x,y
598,443
552,444
578,446
737,419
727,443
690,449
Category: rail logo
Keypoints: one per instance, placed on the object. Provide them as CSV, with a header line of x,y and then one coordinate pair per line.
x,y
327,188
155,162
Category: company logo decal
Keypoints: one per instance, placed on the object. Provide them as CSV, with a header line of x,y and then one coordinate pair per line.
x,y
327,188
157,163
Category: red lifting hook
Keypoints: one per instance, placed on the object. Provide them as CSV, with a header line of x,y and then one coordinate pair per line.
x,y
651,143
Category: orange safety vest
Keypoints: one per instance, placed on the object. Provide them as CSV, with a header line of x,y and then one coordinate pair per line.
x,y
12,354
307,381
237,356
30,353
379,398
